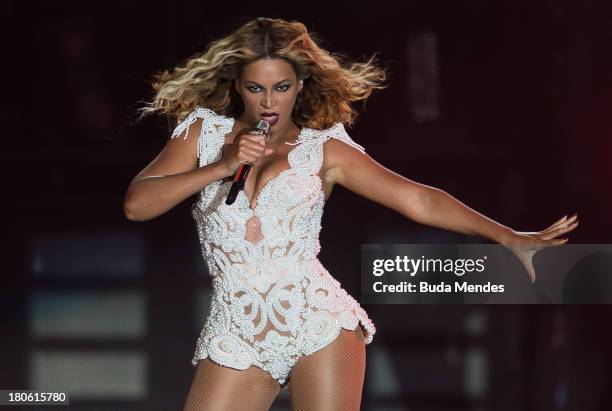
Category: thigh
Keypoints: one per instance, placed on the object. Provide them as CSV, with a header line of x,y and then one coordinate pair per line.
x,y
331,378
216,387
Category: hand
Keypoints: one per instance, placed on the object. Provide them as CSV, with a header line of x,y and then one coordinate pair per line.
x,y
525,244
245,148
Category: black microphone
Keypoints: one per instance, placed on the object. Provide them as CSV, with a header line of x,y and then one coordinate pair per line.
x,y
261,128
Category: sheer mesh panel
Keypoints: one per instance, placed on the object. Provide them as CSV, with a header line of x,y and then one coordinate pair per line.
x,y
330,379
216,387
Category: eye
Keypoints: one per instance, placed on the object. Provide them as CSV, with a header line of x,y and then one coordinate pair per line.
x,y
283,87
253,89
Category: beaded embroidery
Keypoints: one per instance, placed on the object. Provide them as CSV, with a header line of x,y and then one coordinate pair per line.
x,y
273,301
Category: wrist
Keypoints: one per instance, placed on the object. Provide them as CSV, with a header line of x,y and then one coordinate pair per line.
x,y
223,169
506,236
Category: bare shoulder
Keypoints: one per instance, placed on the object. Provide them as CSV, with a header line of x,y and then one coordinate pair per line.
x,y
178,155
337,158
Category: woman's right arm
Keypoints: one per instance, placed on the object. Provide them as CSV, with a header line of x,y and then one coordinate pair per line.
x,y
171,177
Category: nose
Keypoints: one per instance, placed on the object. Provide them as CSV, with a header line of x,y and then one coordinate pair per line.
x,y
268,100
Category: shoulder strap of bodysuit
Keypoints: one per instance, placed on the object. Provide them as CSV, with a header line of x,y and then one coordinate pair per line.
x,y
211,138
310,154
337,131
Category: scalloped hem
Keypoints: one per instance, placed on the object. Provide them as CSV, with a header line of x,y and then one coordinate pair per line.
x,y
367,328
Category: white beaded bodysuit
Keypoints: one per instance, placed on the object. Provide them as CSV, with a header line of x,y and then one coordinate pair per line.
x,y
272,300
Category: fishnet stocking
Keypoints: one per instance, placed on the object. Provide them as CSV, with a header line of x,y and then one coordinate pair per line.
x,y
216,387
331,378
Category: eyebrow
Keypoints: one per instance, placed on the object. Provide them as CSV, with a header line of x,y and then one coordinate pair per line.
x,y
254,82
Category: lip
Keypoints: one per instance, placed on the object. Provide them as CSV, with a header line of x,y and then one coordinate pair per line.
x,y
271,117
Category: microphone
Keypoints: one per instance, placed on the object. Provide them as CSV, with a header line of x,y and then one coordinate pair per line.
x,y
261,128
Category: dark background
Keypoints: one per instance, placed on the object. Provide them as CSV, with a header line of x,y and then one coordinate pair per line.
x,y
503,104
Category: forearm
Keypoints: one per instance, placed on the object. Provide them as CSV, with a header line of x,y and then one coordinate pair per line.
x,y
442,210
152,196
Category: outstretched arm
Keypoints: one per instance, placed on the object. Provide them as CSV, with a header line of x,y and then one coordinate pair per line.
x,y
431,206
424,204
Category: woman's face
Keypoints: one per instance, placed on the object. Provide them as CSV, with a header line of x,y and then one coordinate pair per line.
x,y
269,88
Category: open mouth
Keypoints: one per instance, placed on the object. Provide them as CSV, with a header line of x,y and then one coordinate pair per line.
x,y
271,118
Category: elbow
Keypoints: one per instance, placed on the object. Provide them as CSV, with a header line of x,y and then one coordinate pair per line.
x,y
130,210
132,204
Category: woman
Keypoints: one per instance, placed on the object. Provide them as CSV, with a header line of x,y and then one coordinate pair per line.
x,y
277,317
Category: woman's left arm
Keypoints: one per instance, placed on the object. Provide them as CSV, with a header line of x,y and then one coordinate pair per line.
x,y
431,206
428,205
424,204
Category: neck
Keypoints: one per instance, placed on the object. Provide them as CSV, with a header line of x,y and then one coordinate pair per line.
x,y
282,133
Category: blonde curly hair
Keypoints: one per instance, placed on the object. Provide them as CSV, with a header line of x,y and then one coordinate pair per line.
x,y
207,79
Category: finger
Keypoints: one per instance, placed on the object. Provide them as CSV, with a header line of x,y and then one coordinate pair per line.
x,y
561,223
567,229
253,146
556,241
557,223
260,144
557,232
259,151
559,241
252,138
262,152
249,154
260,141
553,243
259,138
571,219
560,220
